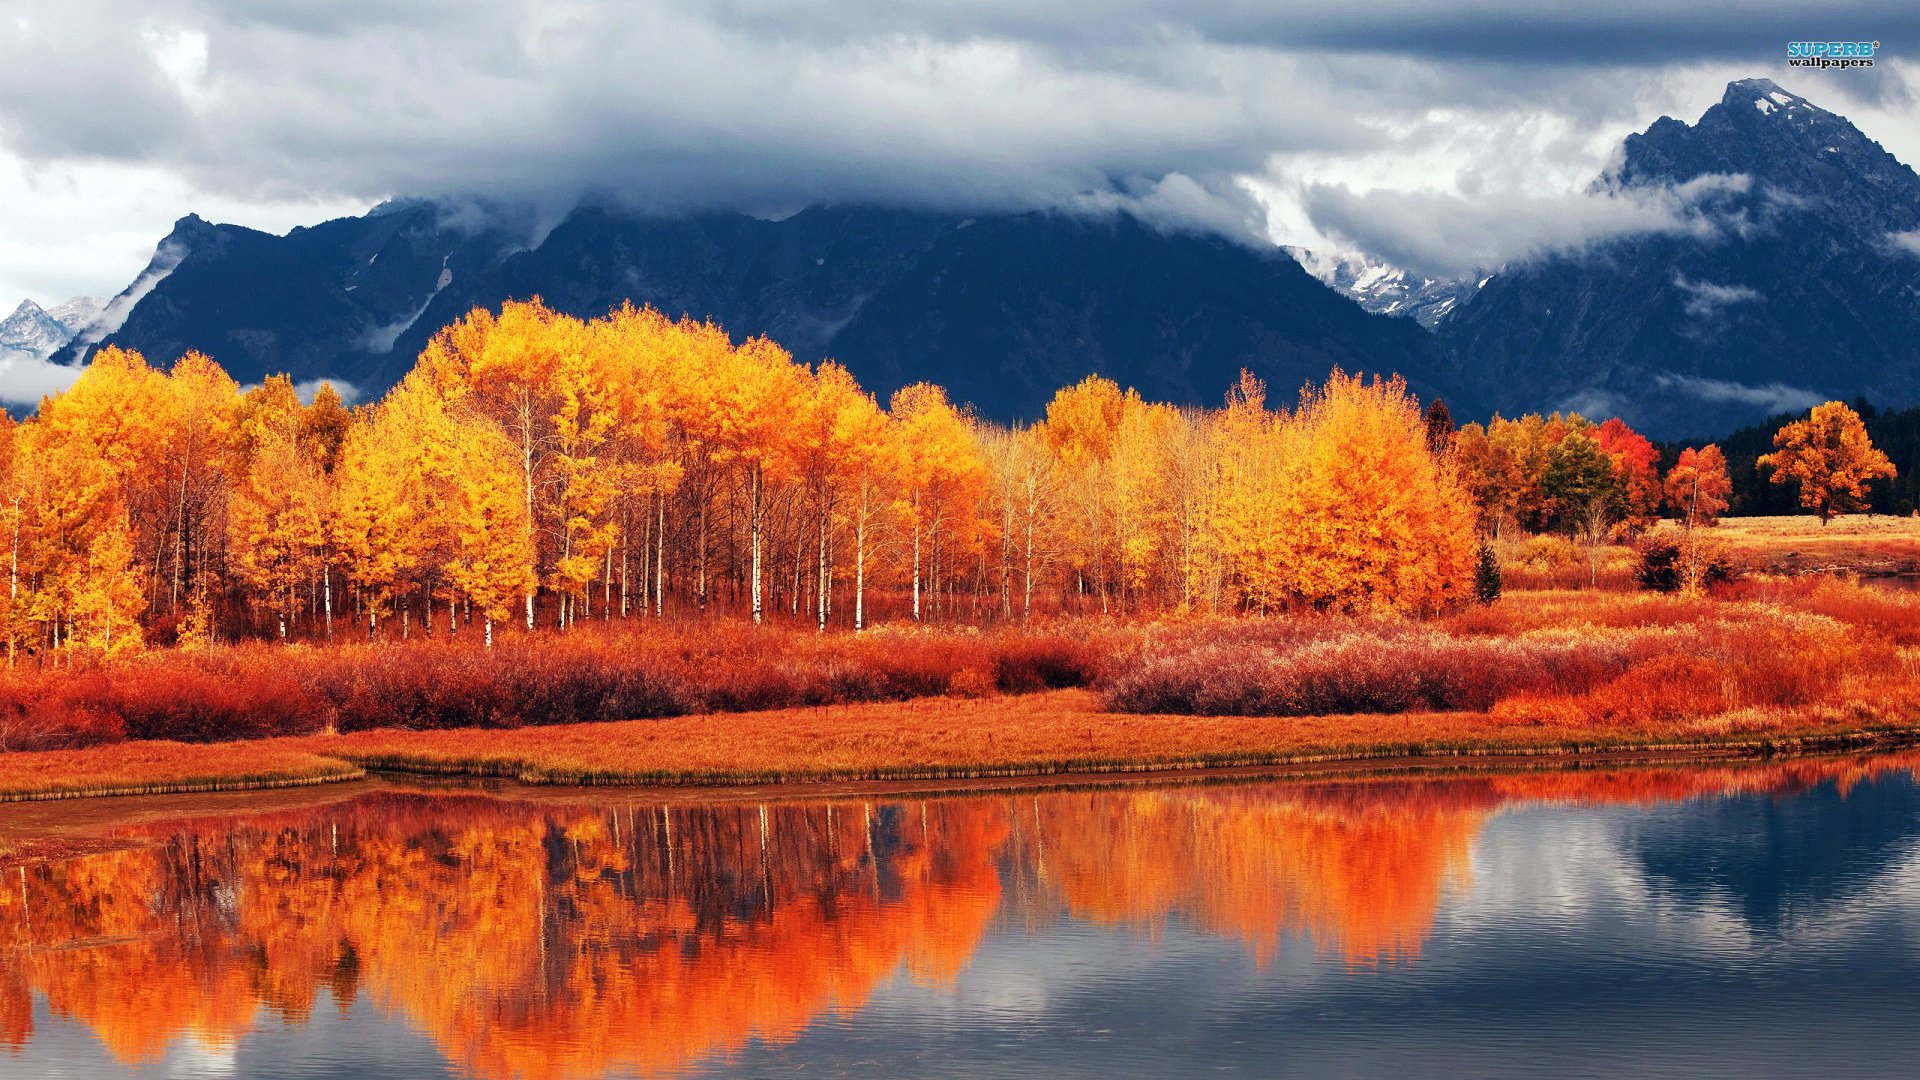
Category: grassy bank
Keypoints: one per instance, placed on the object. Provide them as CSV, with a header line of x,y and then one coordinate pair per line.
x,y
159,768
1066,731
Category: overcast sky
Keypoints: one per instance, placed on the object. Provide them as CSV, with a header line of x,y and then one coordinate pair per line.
x,y
1446,136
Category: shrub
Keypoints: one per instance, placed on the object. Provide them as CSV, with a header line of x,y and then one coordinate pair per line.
x,y
1352,666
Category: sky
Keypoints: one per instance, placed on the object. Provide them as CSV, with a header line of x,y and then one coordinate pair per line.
x,y
1443,138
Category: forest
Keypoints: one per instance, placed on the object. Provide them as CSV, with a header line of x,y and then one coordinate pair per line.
x,y
539,469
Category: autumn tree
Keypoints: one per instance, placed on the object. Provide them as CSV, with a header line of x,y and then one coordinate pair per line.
x,y
1636,469
1376,519
279,511
1697,487
1584,486
492,556
943,476
1082,429
1250,513
1830,457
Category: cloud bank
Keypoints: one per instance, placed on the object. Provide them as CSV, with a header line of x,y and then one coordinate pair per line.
x,y
1219,115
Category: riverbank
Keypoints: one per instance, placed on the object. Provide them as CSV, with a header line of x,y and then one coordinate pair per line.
x,y
1763,666
1051,733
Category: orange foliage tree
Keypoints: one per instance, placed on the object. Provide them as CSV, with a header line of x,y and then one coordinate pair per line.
x,y
1830,457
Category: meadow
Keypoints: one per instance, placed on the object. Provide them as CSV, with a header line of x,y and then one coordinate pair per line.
x,y
1764,665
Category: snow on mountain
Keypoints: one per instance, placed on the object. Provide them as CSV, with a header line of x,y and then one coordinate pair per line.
x,y
1384,289
78,313
32,331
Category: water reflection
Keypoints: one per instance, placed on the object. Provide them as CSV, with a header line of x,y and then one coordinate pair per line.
x,y
537,940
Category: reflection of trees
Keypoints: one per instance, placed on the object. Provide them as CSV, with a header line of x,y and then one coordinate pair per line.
x,y
569,941
527,943
1358,867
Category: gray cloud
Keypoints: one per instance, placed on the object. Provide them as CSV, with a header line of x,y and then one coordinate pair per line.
x,y
1166,107
1448,235
1706,299
25,379
772,102
1774,397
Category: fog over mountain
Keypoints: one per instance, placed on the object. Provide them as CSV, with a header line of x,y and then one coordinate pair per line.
x,y
1760,260
1795,281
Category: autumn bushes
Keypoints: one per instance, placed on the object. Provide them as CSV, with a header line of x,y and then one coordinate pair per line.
x,y
1331,666
589,674
1571,658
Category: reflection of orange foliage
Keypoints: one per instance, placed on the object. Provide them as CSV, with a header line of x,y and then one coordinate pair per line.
x,y
1360,868
563,941
528,944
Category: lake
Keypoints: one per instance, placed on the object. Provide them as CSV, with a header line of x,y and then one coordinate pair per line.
x,y
1712,920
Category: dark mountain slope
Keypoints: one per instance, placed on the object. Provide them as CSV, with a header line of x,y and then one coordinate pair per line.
x,y
1001,309
1793,286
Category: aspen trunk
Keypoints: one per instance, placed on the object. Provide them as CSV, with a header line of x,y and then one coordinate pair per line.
x,y
860,568
916,556
753,532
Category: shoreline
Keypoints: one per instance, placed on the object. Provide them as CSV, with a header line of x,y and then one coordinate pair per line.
x,y
1082,743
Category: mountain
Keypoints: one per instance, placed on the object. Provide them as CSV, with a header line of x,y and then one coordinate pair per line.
x,y
1797,279
36,333
32,331
1385,289
1001,309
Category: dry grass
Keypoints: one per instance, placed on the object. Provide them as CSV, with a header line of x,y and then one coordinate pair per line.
x,y
1061,731
155,768
1056,732
1799,544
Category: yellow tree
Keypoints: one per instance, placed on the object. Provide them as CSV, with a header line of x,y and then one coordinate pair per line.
x,y
943,477
120,412
277,518
1830,457
106,599
1190,471
506,367
196,460
585,474
642,350
323,431
1379,520
841,440
749,425
377,520
65,501
1250,513
1142,510
1083,430
14,487
493,556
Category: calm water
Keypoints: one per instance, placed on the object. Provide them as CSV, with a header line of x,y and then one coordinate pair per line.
x,y
1733,921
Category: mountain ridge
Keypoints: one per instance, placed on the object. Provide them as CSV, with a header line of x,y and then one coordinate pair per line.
x,y
1788,282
